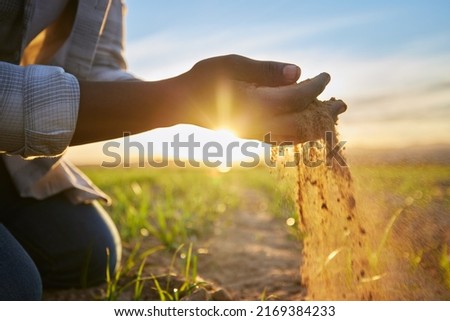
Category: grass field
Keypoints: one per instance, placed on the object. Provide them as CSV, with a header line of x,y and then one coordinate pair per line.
x,y
162,214
412,207
177,205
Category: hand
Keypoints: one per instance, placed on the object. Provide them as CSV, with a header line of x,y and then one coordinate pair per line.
x,y
254,97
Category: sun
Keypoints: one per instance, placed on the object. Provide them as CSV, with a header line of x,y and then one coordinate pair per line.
x,y
226,132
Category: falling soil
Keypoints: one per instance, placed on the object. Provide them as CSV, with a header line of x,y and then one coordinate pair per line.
x,y
356,251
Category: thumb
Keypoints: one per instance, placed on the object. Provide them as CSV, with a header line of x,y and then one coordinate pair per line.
x,y
261,73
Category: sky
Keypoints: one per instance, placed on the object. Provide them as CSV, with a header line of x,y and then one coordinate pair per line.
x,y
389,60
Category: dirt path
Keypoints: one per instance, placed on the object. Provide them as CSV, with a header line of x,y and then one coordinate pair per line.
x,y
252,254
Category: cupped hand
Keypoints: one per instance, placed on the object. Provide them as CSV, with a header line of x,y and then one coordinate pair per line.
x,y
253,97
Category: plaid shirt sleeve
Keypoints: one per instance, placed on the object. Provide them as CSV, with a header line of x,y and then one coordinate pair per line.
x,y
38,109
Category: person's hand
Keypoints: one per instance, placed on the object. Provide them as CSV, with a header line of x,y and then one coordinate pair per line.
x,y
253,97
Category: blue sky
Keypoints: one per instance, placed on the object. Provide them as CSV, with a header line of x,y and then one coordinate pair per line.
x,y
389,60
376,27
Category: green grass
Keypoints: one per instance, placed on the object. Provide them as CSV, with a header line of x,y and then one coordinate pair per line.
x,y
176,207
179,205
424,183
413,201
173,205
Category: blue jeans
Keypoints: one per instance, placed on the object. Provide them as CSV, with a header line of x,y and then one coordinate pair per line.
x,y
52,243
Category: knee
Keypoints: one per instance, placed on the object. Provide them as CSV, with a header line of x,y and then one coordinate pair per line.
x,y
24,285
103,249
93,249
103,255
19,276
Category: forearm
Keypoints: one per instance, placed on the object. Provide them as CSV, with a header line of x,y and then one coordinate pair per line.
x,y
108,109
253,96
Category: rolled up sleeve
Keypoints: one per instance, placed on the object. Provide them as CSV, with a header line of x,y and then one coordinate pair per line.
x,y
38,109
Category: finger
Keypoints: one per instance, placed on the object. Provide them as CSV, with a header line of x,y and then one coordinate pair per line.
x,y
268,73
291,98
307,91
261,73
337,107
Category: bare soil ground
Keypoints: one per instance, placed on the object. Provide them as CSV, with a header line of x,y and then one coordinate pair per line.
x,y
253,255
